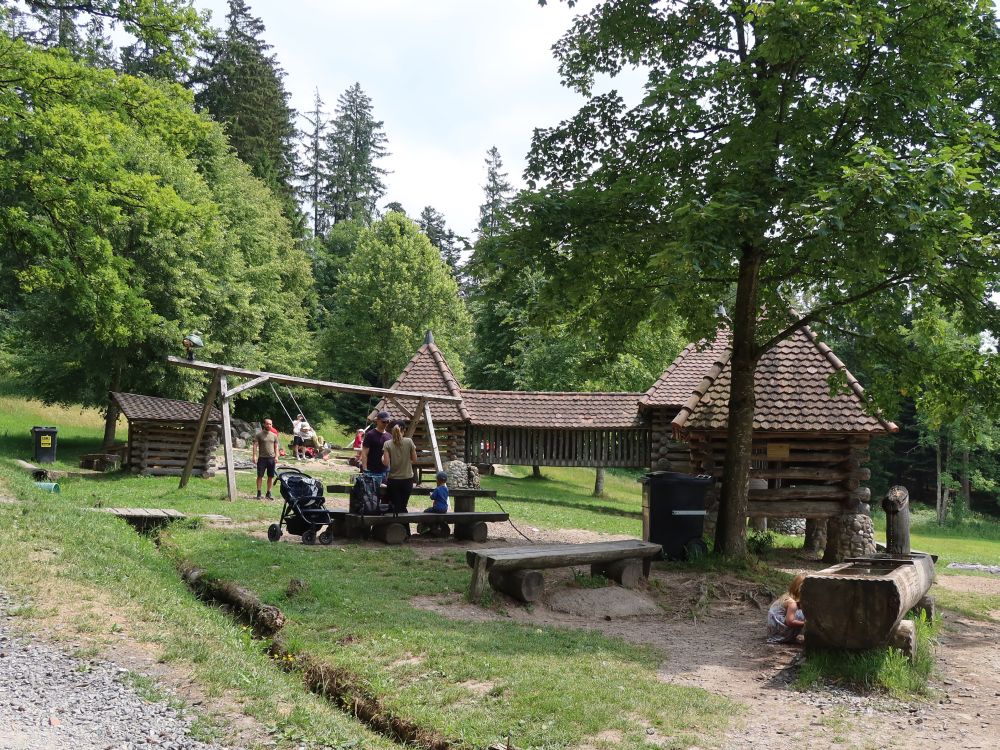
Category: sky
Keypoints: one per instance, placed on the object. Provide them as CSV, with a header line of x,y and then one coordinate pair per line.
x,y
449,79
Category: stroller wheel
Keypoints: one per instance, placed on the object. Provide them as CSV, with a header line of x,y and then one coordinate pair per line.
x,y
309,536
273,532
326,537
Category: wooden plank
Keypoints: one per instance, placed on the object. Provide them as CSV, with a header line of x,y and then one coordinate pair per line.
x,y
794,508
411,428
292,380
245,386
812,492
560,555
227,443
430,431
206,411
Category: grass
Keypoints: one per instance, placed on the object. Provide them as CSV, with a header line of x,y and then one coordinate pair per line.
x,y
562,499
884,670
477,681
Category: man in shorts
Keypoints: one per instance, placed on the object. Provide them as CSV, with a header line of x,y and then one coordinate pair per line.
x,y
265,455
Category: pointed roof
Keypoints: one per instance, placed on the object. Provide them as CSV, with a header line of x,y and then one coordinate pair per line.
x,y
792,393
428,372
675,385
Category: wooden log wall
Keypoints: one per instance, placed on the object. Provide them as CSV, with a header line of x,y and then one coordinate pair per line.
x,y
808,475
627,448
662,443
161,449
450,439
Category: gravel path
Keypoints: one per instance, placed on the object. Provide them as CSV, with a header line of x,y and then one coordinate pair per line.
x,y
51,700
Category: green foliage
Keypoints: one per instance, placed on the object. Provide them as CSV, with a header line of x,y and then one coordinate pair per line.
x,y
737,178
760,543
126,223
354,144
240,83
391,289
432,223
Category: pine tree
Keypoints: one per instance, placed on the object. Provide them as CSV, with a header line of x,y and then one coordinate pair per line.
x,y
497,193
356,141
97,49
241,85
432,224
313,174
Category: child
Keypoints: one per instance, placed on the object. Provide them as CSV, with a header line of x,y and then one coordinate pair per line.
x,y
784,618
440,494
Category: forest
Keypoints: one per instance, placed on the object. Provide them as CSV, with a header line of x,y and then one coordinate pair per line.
x,y
166,184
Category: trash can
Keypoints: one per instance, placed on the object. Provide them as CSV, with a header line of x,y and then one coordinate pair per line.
x,y
44,439
673,512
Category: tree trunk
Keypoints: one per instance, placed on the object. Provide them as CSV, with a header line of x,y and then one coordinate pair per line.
x,y
536,472
599,482
111,418
938,496
966,484
730,532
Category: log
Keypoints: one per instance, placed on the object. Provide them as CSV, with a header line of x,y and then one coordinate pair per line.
x,y
857,604
794,508
472,532
524,585
627,573
264,618
896,505
809,491
926,607
392,533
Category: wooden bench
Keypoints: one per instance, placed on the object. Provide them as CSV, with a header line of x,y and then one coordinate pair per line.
x,y
394,529
514,570
463,499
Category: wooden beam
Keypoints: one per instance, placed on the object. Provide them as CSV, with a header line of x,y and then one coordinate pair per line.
x,y
415,417
246,386
399,406
206,412
434,440
292,380
227,442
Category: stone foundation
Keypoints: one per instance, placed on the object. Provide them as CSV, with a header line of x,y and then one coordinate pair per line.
x,y
849,535
815,540
790,526
462,475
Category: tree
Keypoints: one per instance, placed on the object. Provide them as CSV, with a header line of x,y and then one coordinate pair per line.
x,y
355,143
126,222
170,27
392,288
497,194
432,223
838,158
313,174
239,82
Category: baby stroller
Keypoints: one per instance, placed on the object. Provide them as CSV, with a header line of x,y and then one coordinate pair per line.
x,y
303,512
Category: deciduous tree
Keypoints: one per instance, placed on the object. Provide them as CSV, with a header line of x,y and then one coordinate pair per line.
x,y
836,157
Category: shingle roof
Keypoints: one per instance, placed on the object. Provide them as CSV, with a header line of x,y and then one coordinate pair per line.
x,y
428,372
675,385
136,406
553,410
792,393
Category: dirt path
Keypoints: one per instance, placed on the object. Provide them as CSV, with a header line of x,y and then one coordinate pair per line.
x,y
711,633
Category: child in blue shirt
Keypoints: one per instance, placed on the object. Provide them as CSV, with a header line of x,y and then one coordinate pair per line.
x,y
440,494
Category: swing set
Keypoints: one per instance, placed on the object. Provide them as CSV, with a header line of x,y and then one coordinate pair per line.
x,y
219,388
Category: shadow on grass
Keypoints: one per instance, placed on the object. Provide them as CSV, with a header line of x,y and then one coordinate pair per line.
x,y
69,449
602,509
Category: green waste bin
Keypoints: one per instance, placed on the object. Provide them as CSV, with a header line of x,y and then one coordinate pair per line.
x,y
44,439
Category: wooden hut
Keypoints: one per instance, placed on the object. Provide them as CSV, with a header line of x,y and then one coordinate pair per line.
x,y
809,445
523,427
160,431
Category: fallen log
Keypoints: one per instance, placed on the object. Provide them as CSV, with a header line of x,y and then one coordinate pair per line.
x,y
265,619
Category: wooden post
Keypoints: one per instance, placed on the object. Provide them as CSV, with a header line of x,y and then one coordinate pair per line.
x,y
433,436
227,438
206,412
411,428
480,575
897,521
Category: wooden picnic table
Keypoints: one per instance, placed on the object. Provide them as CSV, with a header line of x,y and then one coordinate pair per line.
x,y
464,497
515,570
393,528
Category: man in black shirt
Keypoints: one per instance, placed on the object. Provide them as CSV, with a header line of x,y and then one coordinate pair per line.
x,y
372,447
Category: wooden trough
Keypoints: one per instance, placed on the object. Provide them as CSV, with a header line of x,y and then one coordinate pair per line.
x,y
860,603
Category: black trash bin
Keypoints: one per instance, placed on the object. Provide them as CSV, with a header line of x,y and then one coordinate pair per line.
x,y
44,439
673,512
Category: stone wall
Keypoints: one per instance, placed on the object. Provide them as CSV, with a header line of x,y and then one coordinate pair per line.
x,y
462,475
849,535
